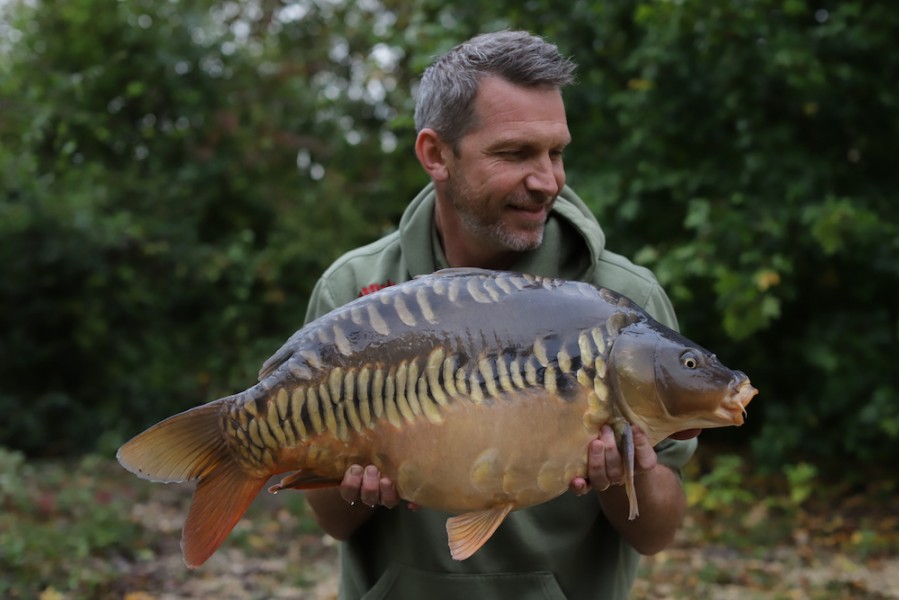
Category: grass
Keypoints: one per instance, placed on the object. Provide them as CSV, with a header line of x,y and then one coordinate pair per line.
x,y
88,529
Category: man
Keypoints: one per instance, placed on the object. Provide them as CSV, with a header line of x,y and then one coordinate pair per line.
x,y
491,132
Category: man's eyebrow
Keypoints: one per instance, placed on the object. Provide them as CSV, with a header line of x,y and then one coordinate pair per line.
x,y
522,143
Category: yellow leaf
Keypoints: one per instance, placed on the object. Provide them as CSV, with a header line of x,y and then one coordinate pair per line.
x,y
51,593
766,279
640,85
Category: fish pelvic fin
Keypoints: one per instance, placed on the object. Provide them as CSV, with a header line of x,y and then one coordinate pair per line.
x,y
304,480
624,437
190,446
469,531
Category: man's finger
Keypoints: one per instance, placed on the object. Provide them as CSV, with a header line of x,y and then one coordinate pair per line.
x,y
645,457
389,496
370,493
352,482
614,469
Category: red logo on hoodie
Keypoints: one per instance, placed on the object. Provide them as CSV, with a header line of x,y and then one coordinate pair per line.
x,y
371,289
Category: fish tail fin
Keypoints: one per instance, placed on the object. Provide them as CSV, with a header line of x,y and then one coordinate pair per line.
x,y
220,500
191,446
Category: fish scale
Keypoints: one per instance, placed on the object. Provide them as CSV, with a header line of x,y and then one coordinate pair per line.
x,y
525,369
274,424
482,384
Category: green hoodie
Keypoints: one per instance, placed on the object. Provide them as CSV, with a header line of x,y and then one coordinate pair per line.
x,y
564,548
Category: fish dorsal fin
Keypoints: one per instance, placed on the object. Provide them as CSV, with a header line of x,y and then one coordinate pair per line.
x,y
469,531
281,356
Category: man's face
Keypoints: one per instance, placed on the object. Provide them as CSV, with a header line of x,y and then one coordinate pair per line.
x,y
508,170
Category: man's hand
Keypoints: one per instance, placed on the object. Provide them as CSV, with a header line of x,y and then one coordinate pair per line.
x,y
605,465
368,487
658,490
340,511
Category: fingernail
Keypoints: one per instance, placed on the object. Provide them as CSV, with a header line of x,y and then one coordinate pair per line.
x,y
355,470
371,471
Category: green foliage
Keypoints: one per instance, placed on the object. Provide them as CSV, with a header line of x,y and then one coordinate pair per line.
x,y
168,198
801,478
56,526
737,505
723,486
764,136
175,176
88,529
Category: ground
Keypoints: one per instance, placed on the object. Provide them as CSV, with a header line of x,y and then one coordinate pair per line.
x,y
90,530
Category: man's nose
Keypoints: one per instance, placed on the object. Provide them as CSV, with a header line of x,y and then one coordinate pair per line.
x,y
546,177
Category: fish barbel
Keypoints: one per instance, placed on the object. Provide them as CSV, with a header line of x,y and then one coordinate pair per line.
x,y
477,392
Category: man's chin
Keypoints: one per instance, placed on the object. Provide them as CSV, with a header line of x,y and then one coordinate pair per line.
x,y
522,241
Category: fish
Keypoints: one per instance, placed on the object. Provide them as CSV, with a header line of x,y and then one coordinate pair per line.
x,y
497,380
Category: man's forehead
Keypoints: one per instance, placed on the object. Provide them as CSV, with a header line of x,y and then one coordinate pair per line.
x,y
496,93
513,113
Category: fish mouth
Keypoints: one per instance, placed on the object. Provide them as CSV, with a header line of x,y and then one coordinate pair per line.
x,y
733,408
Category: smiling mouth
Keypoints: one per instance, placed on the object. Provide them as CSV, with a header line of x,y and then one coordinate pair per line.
x,y
531,212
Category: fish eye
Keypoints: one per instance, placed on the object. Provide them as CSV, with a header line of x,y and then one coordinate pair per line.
x,y
689,360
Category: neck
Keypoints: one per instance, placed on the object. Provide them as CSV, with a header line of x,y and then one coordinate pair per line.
x,y
460,250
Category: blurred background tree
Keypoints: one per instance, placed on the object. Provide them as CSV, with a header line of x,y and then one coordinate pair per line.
x,y
175,176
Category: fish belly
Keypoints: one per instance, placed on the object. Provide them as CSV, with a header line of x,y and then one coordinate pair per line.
x,y
520,451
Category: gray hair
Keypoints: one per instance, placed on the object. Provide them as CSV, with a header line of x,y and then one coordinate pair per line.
x,y
448,87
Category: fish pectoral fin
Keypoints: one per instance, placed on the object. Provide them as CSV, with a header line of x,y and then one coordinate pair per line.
x,y
303,480
624,437
469,531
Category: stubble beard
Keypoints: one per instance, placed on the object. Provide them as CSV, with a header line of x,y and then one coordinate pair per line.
x,y
493,229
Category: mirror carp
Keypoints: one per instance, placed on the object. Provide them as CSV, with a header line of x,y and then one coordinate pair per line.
x,y
477,392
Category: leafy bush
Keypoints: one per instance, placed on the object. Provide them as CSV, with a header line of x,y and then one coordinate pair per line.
x,y
163,215
59,528
765,133
175,177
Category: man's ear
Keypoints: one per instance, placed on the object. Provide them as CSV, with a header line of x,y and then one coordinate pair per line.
x,y
433,154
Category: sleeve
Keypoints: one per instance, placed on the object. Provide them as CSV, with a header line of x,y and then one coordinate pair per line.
x,y
676,453
321,301
659,306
